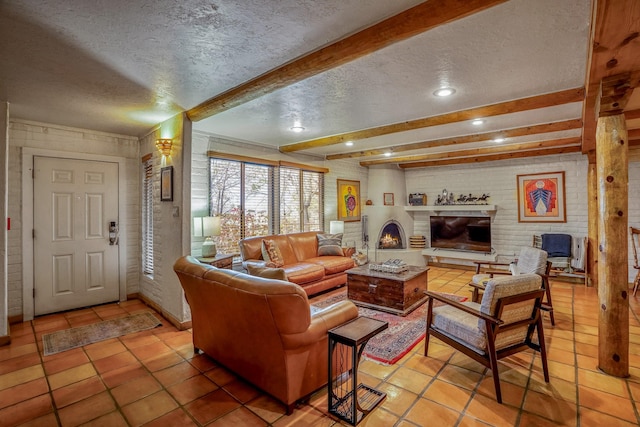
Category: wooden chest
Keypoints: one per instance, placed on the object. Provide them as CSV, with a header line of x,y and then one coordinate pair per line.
x,y
394,293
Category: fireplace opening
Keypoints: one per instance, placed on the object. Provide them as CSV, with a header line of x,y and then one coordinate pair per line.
x,y
391,236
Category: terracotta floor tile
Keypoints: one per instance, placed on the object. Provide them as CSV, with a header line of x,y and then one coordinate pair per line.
x,y
140,339
12,352
460,377
149,408
192,388
532,420
426,365
590,417
557,410
221,376
71,376
603,382
26,410
123,375
162,361
75,392
305,416
379,417
239,417
177,417
21,392
409,379
135,390
104,349
242,391
87,409
426,412
116,361
448,395
176,374
556,388
512,394
267,408
71,360
606,403
212,406
112,419
490,411
203,363
150,350
20,362
45,420
21,376
398,400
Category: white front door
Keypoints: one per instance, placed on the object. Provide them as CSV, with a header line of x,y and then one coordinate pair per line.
x,y
75,264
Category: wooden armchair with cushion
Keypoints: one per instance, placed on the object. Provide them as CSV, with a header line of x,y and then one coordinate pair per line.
x,y
502,324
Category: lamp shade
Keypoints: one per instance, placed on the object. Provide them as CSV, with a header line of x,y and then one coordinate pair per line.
x,y
336,227
211,226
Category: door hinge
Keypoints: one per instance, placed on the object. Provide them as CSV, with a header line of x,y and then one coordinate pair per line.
x,y
34,293
33,233
33,173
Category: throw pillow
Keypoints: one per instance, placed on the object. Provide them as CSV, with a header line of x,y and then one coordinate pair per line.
x,y
330,244
271,253
266,272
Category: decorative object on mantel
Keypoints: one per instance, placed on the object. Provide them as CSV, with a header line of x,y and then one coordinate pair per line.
x,y
369,202
388,199
394,266
447,198
417,199
360,258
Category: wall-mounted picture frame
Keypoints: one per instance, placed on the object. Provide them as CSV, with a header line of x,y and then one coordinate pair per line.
x,y
349,200
388,199
541,197
166,184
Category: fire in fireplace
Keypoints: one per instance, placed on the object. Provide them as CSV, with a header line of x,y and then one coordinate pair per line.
x,y
391,236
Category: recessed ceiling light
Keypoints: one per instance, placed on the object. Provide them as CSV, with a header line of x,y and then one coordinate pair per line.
x,y
387,154
498,139
349,143
296,128
444,91
477,122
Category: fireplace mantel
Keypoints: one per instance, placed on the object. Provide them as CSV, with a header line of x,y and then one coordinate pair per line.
x,y
452,208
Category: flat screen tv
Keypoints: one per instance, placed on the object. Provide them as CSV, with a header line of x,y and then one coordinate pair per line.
x,y
462,233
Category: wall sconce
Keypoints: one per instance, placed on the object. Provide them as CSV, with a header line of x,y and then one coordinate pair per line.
x,y
164,146
208,226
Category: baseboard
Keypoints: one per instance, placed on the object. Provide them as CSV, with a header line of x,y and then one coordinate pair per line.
x,y
18,318
5,340
175,322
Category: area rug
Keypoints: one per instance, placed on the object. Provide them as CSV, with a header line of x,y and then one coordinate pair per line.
x,y
67,339
403,333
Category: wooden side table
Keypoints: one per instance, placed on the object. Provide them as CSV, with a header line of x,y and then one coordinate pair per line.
x,y
219,261
349,400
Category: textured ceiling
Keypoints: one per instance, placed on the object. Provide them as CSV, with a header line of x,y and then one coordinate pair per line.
x,y
124,66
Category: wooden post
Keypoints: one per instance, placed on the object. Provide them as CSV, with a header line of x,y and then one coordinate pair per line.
x,y
612,160
592,211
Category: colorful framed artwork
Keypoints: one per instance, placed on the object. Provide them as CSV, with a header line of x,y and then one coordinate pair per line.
x,y
388,199
349,200
541,197
166,184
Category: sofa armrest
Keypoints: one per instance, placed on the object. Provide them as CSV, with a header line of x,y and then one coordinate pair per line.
x,y
321,321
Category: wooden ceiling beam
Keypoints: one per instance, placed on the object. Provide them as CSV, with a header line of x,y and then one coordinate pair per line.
x,y
615,44
517,105
459,140
631,115
413,21
525,146
490,158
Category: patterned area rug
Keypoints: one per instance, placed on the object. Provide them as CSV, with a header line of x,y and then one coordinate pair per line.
x,y
67,339
403,333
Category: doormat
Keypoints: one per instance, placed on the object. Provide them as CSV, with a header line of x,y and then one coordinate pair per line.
x,y
403,334
67,339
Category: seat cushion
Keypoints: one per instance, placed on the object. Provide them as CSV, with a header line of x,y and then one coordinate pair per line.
x,y
480,279
333,264
304,272
460,326
266,272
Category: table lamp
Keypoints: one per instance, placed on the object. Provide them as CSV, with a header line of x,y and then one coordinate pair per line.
x,y
210,228
336,227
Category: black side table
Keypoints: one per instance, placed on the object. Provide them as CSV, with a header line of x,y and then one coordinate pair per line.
x,y
349,400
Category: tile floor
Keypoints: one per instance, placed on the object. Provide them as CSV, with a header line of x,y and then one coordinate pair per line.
x,y
153,378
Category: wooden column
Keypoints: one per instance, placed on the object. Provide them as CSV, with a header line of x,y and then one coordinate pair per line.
x,y
612,160
592,212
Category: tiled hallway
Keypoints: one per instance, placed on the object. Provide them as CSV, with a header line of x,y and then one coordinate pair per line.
x,y
153,378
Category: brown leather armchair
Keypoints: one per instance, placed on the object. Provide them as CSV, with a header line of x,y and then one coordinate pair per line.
x,y
261,329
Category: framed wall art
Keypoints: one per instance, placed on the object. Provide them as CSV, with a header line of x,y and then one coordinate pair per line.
x,y
388,199
349,200
541,197
166,184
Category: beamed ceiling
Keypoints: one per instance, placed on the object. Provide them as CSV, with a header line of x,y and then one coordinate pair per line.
x,y
536,72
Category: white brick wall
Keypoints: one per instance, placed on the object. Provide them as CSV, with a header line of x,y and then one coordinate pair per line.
x,y
24,134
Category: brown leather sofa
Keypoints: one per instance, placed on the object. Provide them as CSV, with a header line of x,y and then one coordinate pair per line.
x,y
302,264
261,329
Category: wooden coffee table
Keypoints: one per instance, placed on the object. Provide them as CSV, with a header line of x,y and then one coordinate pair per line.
x,y
399,294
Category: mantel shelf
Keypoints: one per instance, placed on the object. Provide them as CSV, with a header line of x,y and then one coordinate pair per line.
x,y
452,208
448,253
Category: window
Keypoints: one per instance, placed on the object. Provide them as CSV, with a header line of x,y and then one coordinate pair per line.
x,y
147,216
256,199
